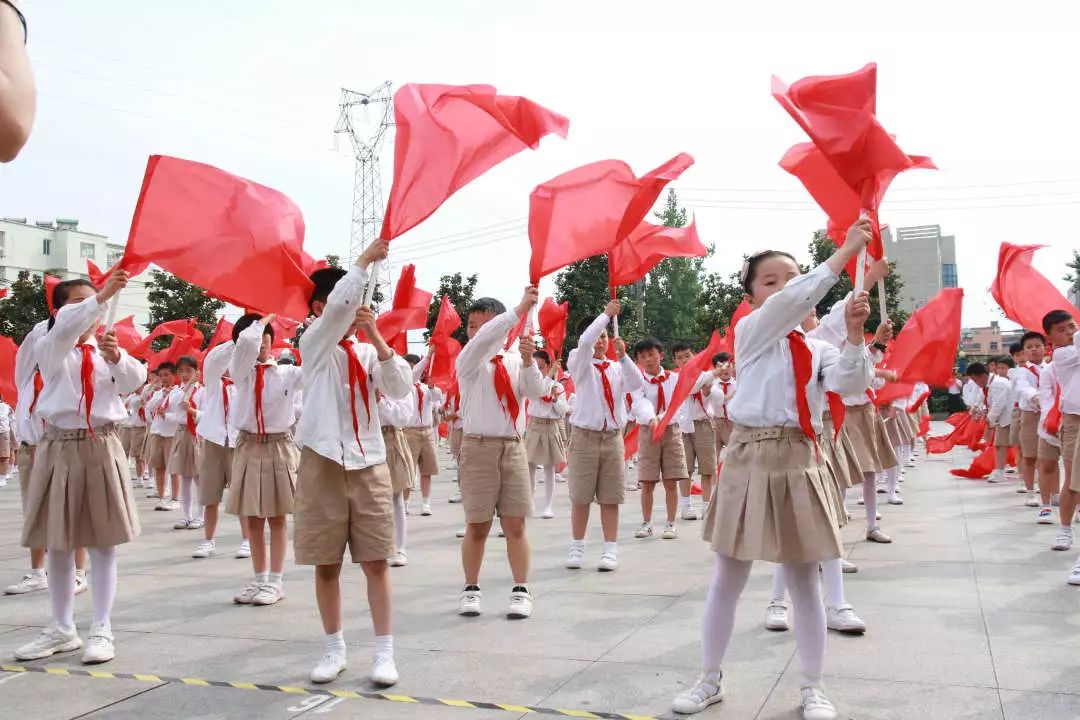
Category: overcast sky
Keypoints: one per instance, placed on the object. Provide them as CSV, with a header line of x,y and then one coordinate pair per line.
x,y
252,86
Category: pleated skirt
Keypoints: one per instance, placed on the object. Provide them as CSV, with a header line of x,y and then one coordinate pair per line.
x,y
184,456
263,476
869,440
544,444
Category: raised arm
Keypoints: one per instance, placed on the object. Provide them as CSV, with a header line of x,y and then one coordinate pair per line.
x,y
72,320
846,371
246,351
418,371
216,363
487,341
326,331
25,361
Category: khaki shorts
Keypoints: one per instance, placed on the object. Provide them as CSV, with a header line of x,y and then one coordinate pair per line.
x,y
596,468
421,441
663,460
1014,428
494,477
700,449
157,450
336,508
1070,443
1029,434
1002,436
215,472
723,432
1048,451
456,434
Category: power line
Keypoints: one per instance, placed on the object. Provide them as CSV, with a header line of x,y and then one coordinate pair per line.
x,y
468,235
890,208
909,189
469,232
456,248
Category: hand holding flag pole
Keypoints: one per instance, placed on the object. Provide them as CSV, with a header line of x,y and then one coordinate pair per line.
x,y
860,262
371,260
881,298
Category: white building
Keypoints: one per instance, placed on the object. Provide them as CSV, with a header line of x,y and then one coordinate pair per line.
x,y
63,248
925,261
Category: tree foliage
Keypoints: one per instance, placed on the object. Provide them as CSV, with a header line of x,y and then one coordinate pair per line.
x,y
674,288
459,289
24,307
171,298
821,248
1073,277
584,285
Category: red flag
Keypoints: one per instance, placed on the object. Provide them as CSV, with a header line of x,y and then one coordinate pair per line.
x,y
284,331
1025,296
3,293
924,426
240,241
967,432
552,319
688,375
447,322
441,370
8,389
94,272
178,328
630,441
517,331
586,211
741,311
925,349
633,258
409,311
983,464
126,335
222,333
449,135
50,282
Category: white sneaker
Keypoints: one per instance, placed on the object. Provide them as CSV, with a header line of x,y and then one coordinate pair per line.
x,y
847,566
1021,490
842,618
575,558
244,551
268,594
164,505
455,498
182,525
644,531
460,533
80,582
689,513
425,510
608,562
498,530
153,495
205,549
1063,541
3,482
400,559
997,476
705,692
521,605
547,514
99,646
1046,516
383,671
559,478
247,595
776,616
896,500
1055,500
1010,470
48,643
469,603
1074,578
31,582
815,706
670,532
911,461
330,666
195,524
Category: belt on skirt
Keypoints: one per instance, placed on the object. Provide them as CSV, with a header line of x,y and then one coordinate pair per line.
x,y
54,433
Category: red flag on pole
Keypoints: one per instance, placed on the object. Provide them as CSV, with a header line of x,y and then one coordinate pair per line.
x,y
178,328
8,389
449,135
688,375
94,272
408,312
442,370
222,333
552,319
633,258
1024,294
127,336
50,282
925,349
447,322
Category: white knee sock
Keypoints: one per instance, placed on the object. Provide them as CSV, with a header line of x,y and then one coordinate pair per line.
x,y
60,565
399,521
779,584
892,477
187,497
869,494
810,626
549,486
905,454
532,478
718,620
832,573
102,583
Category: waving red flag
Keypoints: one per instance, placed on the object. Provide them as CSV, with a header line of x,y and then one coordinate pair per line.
x,y
631,441
8,389
447,322
442,371
633,258
284,330
222,333
50,282
983,464
925,349
1024,294
126,335
180,346
552,319
239,240
517,331
741,311
688,375
588,210
178,328
94,272
967,432
449,135
408,312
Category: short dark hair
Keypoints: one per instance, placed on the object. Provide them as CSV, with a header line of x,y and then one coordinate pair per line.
x,y
721,357
286,360
1007,361
681,346
542,355
245,322
486,305
752,262
324,281
171,367
1032,335
412,359
61,291
1016,348
647,343
189,361
977,370
1054,317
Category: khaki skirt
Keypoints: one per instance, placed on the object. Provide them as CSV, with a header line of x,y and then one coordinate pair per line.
x,y
866,429
544,443
898,431
184,456
79,493
263,476
772,499
398,459
913,424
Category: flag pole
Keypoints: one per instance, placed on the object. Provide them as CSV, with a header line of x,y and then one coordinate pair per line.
x,y
373,274
110,313
881,298
860,263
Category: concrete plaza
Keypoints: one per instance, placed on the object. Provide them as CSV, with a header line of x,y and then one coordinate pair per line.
x,y
968,611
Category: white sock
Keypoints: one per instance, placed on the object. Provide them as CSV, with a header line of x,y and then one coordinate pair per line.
x,y
532,478
262,578
869,493
892,477
384,646
779,584
610,547
580,544
274,579
549,486
61,565
37,572
399,521
832,573
103,587
335,643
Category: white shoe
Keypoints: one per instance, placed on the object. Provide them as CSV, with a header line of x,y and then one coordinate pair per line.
x,y
1032,501
559,478
1063,541
1010,470
705,692
80,582
776,616
997,476
165,504
896,500
547,514
608,562
153,495
195,524
689,513
842,618
330,666
182,525
670,532
1021,490
644,531
3,482
400,559
383,671
875,534
205,549
815,706
521,605
31,582
460,533
244,551
575,558
847,566
268,594
499,531
456,497
425,510
1074,578
99,646
1045,516
247,595
469,603
48,643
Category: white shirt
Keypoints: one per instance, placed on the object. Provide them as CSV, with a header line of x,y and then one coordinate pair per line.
x,y
61,401
1048,385
973,395
6,416
28,429
134,403
590,410
833,330
1026,387
766,396
326,424
553,409
175,413
421,403
1066,362
214,425
452,406
156,409
720,397
484,413
393,413
696,407
645,407
1000,400
280,385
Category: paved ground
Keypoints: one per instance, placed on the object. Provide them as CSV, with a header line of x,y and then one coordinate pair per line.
x,y
968,610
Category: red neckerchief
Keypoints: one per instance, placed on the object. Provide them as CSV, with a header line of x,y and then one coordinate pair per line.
x,y
725,384
661,400
420,402
1053,417
226,383
39,384
260,384
453,398
165,404
191,412
838,410
358,378
802,361
504,389
1033,370
86,373
609,395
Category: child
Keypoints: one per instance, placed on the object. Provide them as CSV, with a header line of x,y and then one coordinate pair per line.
x,y
183,462
999,401
543,438
1019,357
399,463
1060,328
596,455
136,435
698,435
451,411
79,494
216,429
1026,388
719,399
494,470
1048,455
345,497
419,427
162,433
6,419
264,462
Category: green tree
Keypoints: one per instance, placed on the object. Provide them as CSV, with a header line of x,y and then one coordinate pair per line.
x,y
174,299
1073,277
584,285
717,303
24,307
821,247
334,261
674,288
460,290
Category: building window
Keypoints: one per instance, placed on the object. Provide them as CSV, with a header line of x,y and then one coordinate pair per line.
x,y
948,275
46,246
993,346
3,244
114,256
86,250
